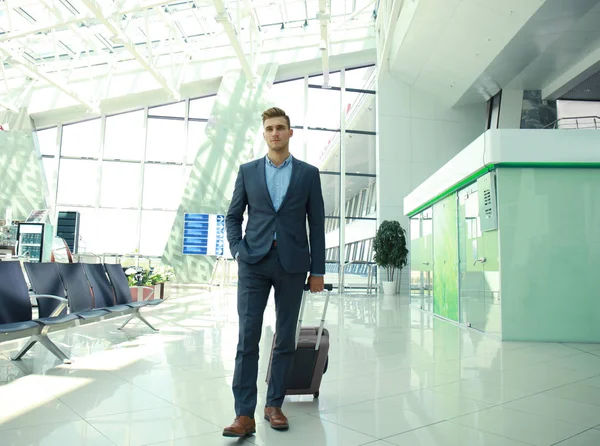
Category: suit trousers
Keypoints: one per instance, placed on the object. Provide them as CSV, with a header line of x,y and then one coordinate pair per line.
x,y
254,285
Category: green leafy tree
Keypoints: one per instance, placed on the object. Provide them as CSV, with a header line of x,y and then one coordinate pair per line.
x,y
390,247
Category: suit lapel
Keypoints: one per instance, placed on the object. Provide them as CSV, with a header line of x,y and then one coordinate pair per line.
x,y
262,179
296,174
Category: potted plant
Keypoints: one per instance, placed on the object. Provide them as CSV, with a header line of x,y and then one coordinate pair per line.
x,y
391,253
154,277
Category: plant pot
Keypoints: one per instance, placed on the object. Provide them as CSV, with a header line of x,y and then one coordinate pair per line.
x,y
139,293
389,287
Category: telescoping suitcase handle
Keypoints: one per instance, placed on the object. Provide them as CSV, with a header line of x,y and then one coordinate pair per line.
x,y
328,287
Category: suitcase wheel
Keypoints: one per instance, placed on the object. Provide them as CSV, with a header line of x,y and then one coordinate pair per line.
x,y
316,394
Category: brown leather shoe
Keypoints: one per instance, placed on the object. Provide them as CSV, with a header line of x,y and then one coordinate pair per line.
x,y
276,418
242,427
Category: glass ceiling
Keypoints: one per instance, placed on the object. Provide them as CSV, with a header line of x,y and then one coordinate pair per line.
x,y
55,41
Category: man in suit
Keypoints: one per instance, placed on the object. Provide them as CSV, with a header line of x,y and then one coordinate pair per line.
x,y
280,192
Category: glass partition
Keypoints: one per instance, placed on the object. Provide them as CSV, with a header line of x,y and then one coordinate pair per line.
x,y
421,260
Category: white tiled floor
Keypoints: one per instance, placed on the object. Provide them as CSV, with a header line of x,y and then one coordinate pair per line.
x,y
396,376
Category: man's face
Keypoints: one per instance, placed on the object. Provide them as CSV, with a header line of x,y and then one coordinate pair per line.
x,y
277,134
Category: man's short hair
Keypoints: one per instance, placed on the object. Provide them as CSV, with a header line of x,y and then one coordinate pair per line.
x,y
275,112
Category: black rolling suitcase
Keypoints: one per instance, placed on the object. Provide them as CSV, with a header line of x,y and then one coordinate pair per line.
x,y
312,350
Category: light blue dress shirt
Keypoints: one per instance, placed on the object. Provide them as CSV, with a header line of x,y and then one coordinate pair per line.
x,y
278,180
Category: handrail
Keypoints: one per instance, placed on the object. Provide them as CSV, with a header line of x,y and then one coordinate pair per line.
x,y
135,256
370,266
576,119
87,254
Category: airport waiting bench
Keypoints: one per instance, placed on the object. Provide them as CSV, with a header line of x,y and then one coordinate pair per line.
x,y
68,295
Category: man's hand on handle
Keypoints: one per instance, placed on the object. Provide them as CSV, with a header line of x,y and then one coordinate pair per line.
x,y
316,283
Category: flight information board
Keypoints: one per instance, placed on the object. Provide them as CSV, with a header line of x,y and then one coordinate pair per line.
x,y
204,234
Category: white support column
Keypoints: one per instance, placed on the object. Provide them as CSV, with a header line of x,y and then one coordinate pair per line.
x,y
57,152
142,173
186,127
101,159
324,17
305,121
342,181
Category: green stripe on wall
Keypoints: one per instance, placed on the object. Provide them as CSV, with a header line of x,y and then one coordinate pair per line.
x,y
481,172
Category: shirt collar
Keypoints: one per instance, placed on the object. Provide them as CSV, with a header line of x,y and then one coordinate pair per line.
x,y
286,163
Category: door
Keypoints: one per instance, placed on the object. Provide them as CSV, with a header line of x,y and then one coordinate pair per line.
x,y
471,260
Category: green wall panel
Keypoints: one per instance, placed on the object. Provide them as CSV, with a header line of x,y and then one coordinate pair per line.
x,y
549,224
22,180
445,258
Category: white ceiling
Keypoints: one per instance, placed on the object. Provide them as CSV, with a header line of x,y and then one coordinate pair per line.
x,y
465,51
554,40
77,48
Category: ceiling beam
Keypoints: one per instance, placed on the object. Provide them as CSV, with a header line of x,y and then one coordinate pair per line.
x,y
223,18
77,19
116,31
255,35
44,28
18,61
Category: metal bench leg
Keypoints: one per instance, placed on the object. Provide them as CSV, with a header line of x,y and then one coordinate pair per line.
x,y
143,319
30,343
140,317
127,321
46,342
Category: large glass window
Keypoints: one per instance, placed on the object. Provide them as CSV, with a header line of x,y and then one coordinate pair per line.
x,y
120,185
117,231
289,96
156,227
202,107
358,78
78,182
81,139
138,179
163,186
47,141
166,140
124,138
323,108
322,150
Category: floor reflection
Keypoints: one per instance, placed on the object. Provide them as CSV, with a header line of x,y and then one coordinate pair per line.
x,y
395,374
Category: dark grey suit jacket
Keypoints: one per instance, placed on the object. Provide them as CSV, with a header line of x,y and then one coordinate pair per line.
x,y
304,198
